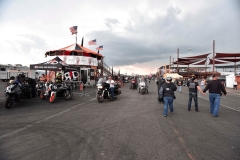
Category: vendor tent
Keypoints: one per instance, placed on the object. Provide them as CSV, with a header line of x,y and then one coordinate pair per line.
x,y
56,64
74,49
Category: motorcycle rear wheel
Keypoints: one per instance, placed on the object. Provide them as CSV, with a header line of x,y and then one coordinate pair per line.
x,y
68,95
8,102
42,96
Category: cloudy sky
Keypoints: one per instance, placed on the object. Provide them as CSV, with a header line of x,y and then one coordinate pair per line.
x,y
137,36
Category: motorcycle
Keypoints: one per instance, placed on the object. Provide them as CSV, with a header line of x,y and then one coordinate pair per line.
x,y
142,88
133,84
14,92
53,90
65,90
49,91
104,90
39,87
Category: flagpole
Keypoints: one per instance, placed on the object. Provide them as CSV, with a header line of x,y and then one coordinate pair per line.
x,y
76,38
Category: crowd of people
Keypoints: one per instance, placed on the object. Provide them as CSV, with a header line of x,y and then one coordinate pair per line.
x,y
166,89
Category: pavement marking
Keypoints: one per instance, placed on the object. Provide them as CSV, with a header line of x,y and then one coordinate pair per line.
x,y
83,93
233,93
180,138
45,119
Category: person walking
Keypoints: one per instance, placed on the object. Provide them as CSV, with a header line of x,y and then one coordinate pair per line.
x,y
193,87
216,88
202,83
179,84
234,84
167,93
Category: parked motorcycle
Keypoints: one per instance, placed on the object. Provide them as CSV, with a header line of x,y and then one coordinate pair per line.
x,y
53,90
64,90
14,92
49,91
39,87
142,88
104,90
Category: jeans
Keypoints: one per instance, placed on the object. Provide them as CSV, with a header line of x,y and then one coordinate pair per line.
x,y
193,95
234,87
179,88
112,92
168,101
214,103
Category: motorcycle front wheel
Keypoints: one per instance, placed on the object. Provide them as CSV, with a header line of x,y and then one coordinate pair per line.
x,y
100,98
9,101
52,97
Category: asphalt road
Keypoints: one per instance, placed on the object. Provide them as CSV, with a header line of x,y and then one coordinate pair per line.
x,y
130,128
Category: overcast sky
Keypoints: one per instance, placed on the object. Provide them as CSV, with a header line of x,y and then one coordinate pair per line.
x,y
137,36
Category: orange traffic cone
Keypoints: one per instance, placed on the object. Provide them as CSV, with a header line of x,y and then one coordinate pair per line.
x,y
81,87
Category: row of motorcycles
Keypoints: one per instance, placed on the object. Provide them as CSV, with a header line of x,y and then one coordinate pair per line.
x,y
142,87
45,90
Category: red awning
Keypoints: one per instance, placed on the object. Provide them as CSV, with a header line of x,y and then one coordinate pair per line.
x,y
216,61
186,62
229,59
224,55
199,56
200,63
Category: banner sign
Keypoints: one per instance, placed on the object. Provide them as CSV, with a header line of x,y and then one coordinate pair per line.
x,y
79,60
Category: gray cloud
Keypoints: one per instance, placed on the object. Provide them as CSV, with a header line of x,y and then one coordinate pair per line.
x,y
159,37
144,36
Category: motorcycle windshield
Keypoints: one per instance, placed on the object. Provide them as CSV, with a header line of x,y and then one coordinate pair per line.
x,y
101,80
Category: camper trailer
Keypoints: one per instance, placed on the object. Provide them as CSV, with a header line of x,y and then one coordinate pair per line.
x,y
9,70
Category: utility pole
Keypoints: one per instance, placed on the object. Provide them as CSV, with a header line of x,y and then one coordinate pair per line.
x,y
177,60
170,64
173,62
213,54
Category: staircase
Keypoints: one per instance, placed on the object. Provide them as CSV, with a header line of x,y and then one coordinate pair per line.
x,y
106,69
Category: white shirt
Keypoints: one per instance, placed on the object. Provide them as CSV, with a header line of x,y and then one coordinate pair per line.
x,y
111,82
234,83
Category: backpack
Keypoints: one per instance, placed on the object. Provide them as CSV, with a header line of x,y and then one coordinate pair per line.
x,y
161,89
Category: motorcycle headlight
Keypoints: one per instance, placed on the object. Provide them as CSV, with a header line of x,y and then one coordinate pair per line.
x,y
99,87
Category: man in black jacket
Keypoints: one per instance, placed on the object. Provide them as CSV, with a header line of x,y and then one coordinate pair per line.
x,y
193,86
216,88
168,89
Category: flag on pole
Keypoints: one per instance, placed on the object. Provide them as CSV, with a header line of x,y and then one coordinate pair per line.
x,y
100,48
82,41
92,42
73,29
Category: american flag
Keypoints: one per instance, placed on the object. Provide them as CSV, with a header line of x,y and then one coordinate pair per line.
x,y
100,48
92,42
73,29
